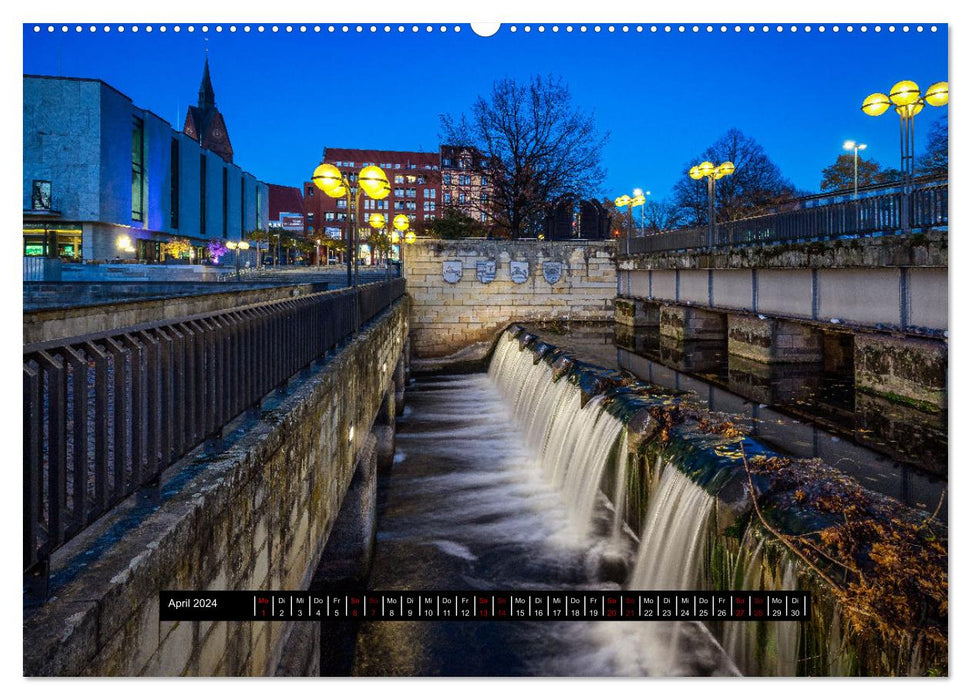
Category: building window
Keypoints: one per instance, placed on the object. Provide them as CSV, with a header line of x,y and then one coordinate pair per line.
x,y
259,206
138,170
429,193
412,206
465,179
399,191
342,204
447,179
202,194
447,197
421,179
483,198
399,206
328,216
399,179
410,192
429,206
482,216
446,162
461,197
40,195
484,181
225,202
174,184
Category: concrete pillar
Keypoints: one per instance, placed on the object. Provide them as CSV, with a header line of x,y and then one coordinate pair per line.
x,y
773,340
691,323
904,370
636,313
400,379
383,430
346,560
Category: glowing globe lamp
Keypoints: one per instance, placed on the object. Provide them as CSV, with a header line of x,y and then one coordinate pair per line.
x,y
376,220
374,182
876,104
937,95
401,222
905,92
329,179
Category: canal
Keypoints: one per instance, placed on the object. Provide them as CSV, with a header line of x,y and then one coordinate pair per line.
x,y
496,485
468,505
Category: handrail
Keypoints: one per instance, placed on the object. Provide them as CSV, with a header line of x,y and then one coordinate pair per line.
x,y
105,414
864,216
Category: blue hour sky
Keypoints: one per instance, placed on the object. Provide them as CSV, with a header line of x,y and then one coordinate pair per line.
x,y
663,96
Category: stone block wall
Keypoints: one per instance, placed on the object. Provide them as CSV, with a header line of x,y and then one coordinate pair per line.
x,y
447,318
691,323
773,339
904,370
255,516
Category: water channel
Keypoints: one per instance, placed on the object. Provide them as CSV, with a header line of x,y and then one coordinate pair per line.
x,y
495,485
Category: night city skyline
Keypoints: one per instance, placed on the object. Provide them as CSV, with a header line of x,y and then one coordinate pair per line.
x,y
265,80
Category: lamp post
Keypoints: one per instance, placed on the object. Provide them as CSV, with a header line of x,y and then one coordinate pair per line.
x,y
856,148
401,235
625,200
638,192
237,246
399,238
335,184
908,103
712,172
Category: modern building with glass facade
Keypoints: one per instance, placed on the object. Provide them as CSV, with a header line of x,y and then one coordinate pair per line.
x,y
106,180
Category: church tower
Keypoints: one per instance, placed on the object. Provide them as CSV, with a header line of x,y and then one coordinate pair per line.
x,y
205,124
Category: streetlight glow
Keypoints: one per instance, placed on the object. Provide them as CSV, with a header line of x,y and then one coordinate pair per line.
x,y
708,170
373,181
908,101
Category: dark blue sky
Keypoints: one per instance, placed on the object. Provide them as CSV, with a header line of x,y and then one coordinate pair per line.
x,y
662,96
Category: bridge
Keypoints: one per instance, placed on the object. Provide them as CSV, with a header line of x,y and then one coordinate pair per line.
x,y
779,287
229,437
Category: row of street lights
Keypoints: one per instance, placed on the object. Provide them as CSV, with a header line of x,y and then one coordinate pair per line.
x,y
908,102
374,182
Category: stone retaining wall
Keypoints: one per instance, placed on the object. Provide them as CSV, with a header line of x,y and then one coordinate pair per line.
x,y
255,516
447,318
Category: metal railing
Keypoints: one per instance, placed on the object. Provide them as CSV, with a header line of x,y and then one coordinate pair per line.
x,y
864,216
105,414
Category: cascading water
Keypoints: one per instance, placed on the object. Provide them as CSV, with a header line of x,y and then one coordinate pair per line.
x,y
574,444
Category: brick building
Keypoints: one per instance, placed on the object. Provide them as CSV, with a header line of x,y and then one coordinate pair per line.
x,y
466,182
415,191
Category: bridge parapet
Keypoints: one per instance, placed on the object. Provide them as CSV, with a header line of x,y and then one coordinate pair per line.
x,y
254,513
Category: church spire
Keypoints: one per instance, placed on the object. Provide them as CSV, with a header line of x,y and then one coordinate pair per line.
x,y
207,98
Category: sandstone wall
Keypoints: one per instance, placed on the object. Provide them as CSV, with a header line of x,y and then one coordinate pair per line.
x,y
255,516
447,318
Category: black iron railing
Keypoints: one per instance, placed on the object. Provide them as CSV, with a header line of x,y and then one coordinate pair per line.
x,y
864,216
104,415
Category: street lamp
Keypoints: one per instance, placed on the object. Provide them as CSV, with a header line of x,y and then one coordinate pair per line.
x,y
712,172
856,148
638,192
401,235
908,103
626,200
237,246
335,184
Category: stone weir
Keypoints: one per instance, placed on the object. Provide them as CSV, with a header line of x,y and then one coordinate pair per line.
x,y
876,570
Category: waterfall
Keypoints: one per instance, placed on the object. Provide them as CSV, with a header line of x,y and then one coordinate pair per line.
x,y
573,444
760,648
674,542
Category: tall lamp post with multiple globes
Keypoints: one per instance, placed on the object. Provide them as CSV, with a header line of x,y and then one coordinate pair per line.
x,y
399,232
237,246
372,181
908,102
625,200
712,172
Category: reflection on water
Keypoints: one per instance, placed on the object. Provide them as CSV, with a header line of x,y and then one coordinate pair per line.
x,y
802,410
466,506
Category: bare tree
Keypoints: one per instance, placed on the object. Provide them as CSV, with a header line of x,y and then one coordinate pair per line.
x,y
756,186
537,147
934,159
